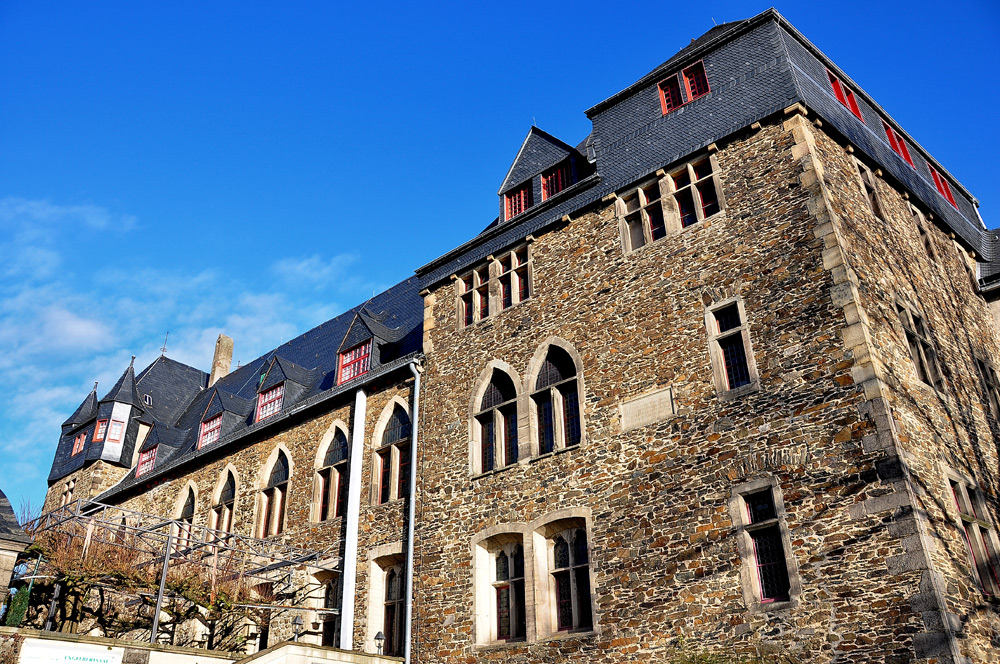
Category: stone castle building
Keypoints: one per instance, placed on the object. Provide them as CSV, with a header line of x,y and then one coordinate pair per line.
x,y
726,370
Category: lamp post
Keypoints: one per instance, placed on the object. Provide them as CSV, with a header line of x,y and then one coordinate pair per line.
x,y
297,626
379,641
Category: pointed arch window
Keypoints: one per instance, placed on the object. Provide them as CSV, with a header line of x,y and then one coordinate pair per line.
x,y
224,507
509,590
571,580
275,498
394,457
556,402
333,478
496,424
186,521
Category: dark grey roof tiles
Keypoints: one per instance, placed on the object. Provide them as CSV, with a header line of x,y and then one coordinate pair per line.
x,y
124,390
171,385
85,411
10,529
539,150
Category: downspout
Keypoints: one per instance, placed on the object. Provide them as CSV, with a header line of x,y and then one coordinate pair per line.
x,y
416,369
349,573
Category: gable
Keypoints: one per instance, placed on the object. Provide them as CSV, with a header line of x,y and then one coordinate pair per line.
x,y
539,151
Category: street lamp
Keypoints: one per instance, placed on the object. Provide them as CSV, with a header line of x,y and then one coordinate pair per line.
x,y
297,626
379,641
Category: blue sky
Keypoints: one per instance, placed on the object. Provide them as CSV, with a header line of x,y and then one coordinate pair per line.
x,y
253,169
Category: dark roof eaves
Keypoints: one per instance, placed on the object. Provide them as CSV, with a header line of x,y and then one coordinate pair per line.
x,y
131,481
530,215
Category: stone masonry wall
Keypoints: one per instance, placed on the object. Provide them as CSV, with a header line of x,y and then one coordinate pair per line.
x,y
664,560
951,429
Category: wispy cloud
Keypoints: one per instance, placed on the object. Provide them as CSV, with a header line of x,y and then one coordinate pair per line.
x,y
19,211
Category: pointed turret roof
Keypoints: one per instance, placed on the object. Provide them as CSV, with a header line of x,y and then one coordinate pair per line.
x,y
85,411
124,390
10,529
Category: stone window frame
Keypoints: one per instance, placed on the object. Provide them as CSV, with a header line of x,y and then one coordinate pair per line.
x,y
649,210
381,560
327,479
989,381
920,344
536,537
391,453
485,546
544,531
535,365
223,516
920,220
272,502
184,517
719,374
867,179
969,511
749,583
475,413
479,291
66,497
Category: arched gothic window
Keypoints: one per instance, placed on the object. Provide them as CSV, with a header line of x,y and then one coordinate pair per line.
x,y
497,424
186,521
393,457
275,497
333,478
509,587
224,507
571,580
395,589
556,401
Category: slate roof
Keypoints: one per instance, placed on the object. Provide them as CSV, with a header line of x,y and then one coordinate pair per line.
x,y
307,365
85,411
10,529
539,150
124,390
756,68
172,386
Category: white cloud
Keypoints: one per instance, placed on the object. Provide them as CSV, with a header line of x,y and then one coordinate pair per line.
x,y
20,212
316,271
65,330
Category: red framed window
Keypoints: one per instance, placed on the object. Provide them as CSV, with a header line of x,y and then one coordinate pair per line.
x,y
210,430
269,402
844,95
556,180
355,362
897,143
101,430
78,443
146,461
115,431
942,186
695,81
518,201
670,94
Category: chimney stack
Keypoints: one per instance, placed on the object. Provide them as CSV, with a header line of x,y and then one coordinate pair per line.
x,y
222,360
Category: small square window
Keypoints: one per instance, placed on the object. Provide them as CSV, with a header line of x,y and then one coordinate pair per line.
x,y
269,402
100,431
695,81
355,362
115,431
210,430
670,94
844,95
146,461
518,201
556,179
942,186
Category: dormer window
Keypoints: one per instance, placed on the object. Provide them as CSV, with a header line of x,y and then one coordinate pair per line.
x,y
146,460
556,179
210,430
844,95
78,442
695,81
355,362
147,399
517,201
115,432
695,86
942,185
269,402
101,430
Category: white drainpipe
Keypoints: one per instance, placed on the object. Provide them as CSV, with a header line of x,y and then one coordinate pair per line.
x,y
416,369
349,574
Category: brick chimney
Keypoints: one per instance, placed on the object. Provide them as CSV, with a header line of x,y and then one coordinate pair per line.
x,y
222,360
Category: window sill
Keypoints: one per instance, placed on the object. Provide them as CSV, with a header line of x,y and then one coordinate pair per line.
x,y
493,316
327,522
500,645
561,450
772,607
570,634
739,392
495,471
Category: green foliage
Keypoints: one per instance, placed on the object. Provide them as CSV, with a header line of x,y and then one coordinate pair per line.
x,y
18,607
